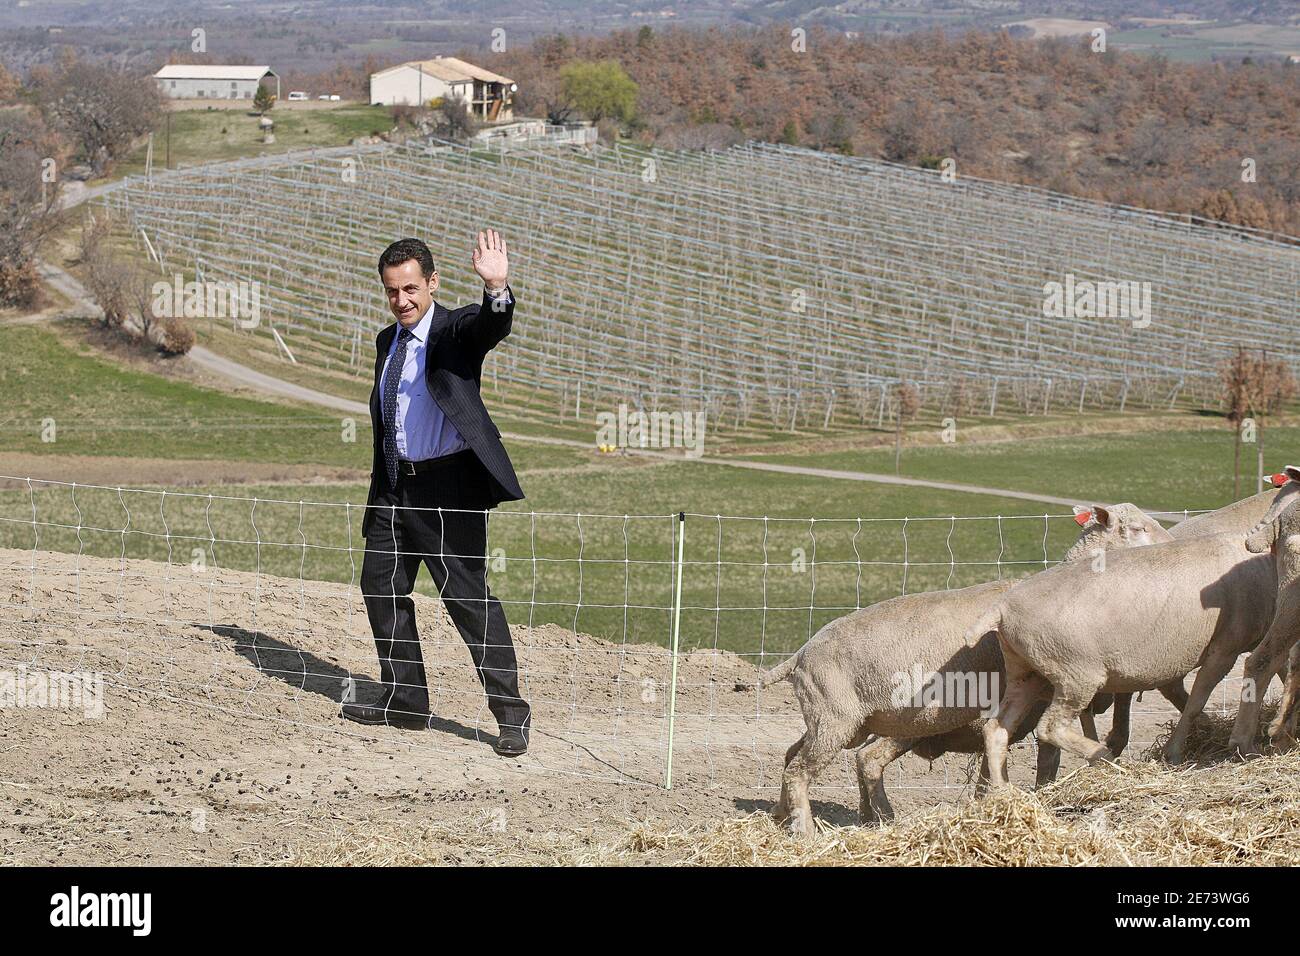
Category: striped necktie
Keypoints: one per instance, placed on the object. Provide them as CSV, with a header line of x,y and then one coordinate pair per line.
x,y
392,379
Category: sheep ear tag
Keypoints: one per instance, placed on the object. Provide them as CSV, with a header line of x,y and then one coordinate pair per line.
x,y
1278,480
1082,518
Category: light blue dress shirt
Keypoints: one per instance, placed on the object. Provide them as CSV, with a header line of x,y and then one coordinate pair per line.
x,y
423,431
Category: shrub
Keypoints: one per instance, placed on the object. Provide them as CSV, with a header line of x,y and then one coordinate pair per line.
x,y
177,337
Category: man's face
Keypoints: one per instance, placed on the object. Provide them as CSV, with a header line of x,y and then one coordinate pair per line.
x,y
409,293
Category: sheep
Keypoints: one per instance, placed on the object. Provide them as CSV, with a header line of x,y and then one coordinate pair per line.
x,y
1240,516
1279,533
852,678
1150,617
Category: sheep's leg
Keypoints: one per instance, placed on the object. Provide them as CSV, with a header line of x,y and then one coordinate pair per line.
x,y
1048,763
1117,739
1023,688
781,812
821,744
982,782
1175,693
1283,731
1088,723
1214,668
1260,667
871,761
1057,725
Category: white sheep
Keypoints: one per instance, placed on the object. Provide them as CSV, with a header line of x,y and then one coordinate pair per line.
x,y
1151,616
1279,534
858,676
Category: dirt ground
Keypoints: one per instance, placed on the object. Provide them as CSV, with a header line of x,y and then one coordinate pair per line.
x,y
220,741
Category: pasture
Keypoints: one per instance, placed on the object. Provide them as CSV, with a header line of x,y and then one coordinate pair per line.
x,y
198,545
206,136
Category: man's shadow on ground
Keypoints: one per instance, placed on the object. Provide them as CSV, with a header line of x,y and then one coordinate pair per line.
x,y
307,672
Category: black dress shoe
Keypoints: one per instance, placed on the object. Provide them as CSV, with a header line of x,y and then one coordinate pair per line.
x,y
511,743
379,715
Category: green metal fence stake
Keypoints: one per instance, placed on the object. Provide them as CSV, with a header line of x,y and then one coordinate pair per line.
x,y
677,621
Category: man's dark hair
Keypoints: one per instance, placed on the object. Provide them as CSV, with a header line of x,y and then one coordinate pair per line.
x,y
404,250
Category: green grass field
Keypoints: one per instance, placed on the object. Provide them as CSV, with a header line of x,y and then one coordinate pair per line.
x,y
208,136
749,583
761,577
1205,41
1169,470
99,407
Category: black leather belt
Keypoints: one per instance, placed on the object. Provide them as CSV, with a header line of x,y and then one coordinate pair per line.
x,y
405,467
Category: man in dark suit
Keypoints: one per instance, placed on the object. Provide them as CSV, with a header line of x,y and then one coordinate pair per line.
x,y
437,447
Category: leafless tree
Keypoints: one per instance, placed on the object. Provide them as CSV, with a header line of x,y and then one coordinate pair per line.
x,y
29,201
102,109
102,273
457,120
907,401
1253,386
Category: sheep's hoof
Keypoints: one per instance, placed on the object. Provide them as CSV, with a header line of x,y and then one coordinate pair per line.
x,y
801,825
1243,748
1101,756
869,814
1116,745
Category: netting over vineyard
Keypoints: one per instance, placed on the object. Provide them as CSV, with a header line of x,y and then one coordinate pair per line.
x,y
763,282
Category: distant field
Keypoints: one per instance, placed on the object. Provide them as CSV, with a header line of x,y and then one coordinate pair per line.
x,y
1058,26
101,408
1204,41
205,136
1189,40
1168,470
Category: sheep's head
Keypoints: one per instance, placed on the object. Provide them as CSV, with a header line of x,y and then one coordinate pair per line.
x,y
1287,483
1104,527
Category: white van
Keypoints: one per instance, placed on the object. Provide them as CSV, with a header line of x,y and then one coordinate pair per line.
x,y
298,95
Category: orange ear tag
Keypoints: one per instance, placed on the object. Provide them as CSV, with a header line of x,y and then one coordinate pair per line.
x,y
1082,518
1279,479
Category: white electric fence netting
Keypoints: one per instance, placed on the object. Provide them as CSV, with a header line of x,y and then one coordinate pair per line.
x,y
639,638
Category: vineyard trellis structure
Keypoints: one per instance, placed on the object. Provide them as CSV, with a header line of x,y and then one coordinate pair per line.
x,y
759,283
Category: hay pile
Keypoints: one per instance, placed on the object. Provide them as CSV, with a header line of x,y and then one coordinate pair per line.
x,y
1207,742
1143,814
1137,815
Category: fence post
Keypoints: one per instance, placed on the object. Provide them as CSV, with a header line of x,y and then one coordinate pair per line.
x,y
677,620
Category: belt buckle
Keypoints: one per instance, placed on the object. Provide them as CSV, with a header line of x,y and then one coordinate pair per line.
x,y
407,467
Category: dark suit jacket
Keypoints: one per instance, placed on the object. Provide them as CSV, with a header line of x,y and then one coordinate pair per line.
x,y
458,341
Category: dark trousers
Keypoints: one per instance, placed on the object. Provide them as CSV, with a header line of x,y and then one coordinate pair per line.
x,y
452,545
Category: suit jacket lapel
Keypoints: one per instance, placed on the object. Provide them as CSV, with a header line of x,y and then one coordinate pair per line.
x,y
438,323
382,345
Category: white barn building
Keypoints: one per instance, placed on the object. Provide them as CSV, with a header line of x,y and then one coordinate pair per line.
x,y
207,81
489,95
